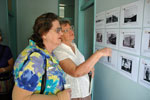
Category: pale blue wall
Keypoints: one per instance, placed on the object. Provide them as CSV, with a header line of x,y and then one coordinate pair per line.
x,y
27,11
88,32
85,26
109,84
12,28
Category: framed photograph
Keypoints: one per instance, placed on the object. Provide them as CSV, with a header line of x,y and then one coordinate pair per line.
x,y
131,14
111,61
112,18
144,73
112,38
147,14
128,66
100,20
100,37
130,40
145,51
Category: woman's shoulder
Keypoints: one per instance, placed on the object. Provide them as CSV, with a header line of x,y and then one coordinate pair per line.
x,y
4,46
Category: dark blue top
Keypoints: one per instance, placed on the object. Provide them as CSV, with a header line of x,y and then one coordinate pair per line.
x,y
6,55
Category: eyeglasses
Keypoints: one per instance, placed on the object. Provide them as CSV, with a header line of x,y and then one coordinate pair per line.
x,y
67,30
57,30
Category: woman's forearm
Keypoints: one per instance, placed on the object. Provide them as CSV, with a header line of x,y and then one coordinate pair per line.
x,y
76,71
21,94
86,66
9,68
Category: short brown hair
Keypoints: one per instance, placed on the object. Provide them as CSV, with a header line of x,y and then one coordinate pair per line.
x,y
42,25
64,22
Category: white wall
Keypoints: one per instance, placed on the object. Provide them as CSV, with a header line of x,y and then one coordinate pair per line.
x,y
27,12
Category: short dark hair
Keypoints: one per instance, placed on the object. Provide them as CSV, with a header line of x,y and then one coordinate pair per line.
x,y
42,24
65,22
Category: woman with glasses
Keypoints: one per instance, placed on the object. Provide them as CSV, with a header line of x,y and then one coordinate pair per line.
x,y
37,73
74,64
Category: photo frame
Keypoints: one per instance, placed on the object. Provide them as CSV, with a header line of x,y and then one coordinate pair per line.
x,y
100,37
145,51
111,61
147,14
111,38
131,16
100,20
128,66
113,18
130,40
144,73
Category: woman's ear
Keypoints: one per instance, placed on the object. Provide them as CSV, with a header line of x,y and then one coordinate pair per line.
x,y
43,36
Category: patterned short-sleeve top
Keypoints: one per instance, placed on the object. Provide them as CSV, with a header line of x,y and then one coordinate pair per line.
x,y
29,68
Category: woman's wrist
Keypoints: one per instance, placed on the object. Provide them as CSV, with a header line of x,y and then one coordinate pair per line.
x,y
99,53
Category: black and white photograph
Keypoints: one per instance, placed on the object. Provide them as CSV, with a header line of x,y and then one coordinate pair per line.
x,y
145,51
130,40
112,38
100,20
100,37
112,18
131,16
144,73
128,66
147,14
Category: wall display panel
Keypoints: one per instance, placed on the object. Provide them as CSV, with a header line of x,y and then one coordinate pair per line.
x,y
146,42
131,15
133,44
100,37
112,18
100,20
128,66
111,38
147,13
130,40
144,74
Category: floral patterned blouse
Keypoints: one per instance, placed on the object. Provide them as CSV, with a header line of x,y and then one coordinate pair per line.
x,y
29,69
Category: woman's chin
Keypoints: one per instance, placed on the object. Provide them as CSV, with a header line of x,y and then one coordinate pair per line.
x,y
59,42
